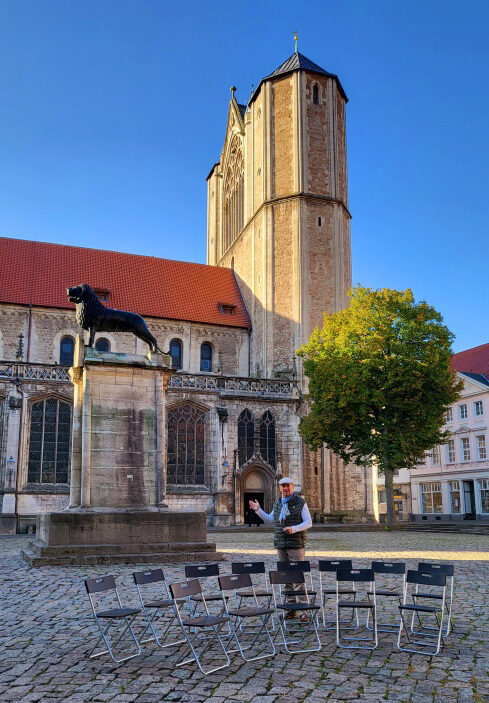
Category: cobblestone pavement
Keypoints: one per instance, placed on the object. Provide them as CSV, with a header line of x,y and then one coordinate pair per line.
x,y
46,632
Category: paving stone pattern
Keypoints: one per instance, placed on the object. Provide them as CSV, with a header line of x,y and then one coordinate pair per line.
x,y
47,631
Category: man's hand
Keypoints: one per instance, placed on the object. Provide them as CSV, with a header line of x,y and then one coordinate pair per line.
x,y
288,530
254,505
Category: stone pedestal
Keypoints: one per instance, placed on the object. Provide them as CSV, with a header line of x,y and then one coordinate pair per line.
x,y
117,509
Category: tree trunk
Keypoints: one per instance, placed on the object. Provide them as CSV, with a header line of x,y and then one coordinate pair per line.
x,y
389,497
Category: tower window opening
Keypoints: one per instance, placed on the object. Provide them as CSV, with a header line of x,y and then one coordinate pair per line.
x,y
315,94
320,222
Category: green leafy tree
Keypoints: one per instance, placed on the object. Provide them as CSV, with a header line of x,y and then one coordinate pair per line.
x,y
380,382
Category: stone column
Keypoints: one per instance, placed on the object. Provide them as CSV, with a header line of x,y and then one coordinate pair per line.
x,y
76,376
86,440
161,384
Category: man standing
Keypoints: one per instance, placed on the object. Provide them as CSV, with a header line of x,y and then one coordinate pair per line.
x,y
291,518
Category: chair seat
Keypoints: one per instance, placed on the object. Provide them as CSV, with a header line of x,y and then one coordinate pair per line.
x,y
205,621
438,596
420,608
385,593
343,591
355,604
298,606
118,613
209,597
299,593
250,612
259,594
159,604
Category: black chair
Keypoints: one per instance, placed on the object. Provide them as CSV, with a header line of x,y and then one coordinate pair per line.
x,y
278,579
432,636
207,572
305,567
358,577
206,623
235,583
327,588
154,607
261,591
449,571
106,585
392,584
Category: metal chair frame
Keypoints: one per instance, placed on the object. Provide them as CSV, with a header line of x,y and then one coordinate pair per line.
x,y
254,568
388,569
417,578
104,584
356,576
155,608
448,570
234,583
292,578
211,624
331,566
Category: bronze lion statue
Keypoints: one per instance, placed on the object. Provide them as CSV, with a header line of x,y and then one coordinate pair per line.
x,y
94,317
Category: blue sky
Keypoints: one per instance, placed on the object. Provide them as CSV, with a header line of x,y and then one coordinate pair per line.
x,y
112,113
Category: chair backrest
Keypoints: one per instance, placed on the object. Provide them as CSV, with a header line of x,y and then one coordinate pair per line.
x,y
248,567
304,566
144,577
428,568
98,585
283,578
334,564
356,575
388,567
185,589
234,582
426,579
197,571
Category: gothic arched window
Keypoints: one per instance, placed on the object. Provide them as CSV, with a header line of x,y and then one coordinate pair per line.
x,y
102,345
205,357
49,442
233,195
246,436
176,353
66,351
315,94
267,438
186,446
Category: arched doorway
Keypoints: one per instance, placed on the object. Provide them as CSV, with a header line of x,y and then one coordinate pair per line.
x,y
256,483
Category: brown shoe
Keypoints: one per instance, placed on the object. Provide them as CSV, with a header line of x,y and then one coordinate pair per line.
x,y
291,614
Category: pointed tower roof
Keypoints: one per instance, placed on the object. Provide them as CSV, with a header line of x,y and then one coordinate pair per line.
x,y
298,62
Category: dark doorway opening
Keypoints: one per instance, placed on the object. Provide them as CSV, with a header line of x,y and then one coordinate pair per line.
x,y
250,517
469,500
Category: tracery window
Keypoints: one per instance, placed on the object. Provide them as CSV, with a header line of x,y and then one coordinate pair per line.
x,y
102,345
49,441
176,353
267,438
246,436
233,196
186,446
66,351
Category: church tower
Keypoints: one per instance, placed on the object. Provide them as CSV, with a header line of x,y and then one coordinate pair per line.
x,y
278,208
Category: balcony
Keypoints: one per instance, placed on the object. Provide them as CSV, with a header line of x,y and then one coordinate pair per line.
x,y
234,386
19,370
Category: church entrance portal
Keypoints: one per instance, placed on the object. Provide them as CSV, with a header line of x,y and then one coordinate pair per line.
x,y
250,518
256,484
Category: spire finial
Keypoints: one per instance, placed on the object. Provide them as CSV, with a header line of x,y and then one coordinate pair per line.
x,y
233,90
296,42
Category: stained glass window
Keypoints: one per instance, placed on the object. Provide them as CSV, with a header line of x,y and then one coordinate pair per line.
x,y
49,442
186,446
267,438
176,353
66,351
246,436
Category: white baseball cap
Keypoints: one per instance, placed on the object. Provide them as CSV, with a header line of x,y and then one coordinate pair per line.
x,y
285,479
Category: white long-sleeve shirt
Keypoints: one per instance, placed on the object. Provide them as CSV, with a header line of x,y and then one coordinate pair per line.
x,y
305,515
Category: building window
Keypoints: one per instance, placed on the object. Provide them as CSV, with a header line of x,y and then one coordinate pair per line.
x,y
484,489
436,455
449,415
49,442
478,408
103,294
267,438
462,411
465,442
315,94
233,195
186,446
455,502
481,446
102,345
66,351
246,436
431,497
205,357
450,451
227,308
382,498
176,353
320,222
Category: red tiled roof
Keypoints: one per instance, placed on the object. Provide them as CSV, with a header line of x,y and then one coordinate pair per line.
x,y
39,273
475,360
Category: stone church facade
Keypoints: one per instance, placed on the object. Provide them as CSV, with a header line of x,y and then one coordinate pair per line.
x,y
278,255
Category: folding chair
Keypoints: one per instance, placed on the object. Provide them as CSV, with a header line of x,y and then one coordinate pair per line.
x,y
262,591
209,624
305,567
238,615
155,608
293,578
204,571
388,588
434,580
356,576
331,566
106,585
448,570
